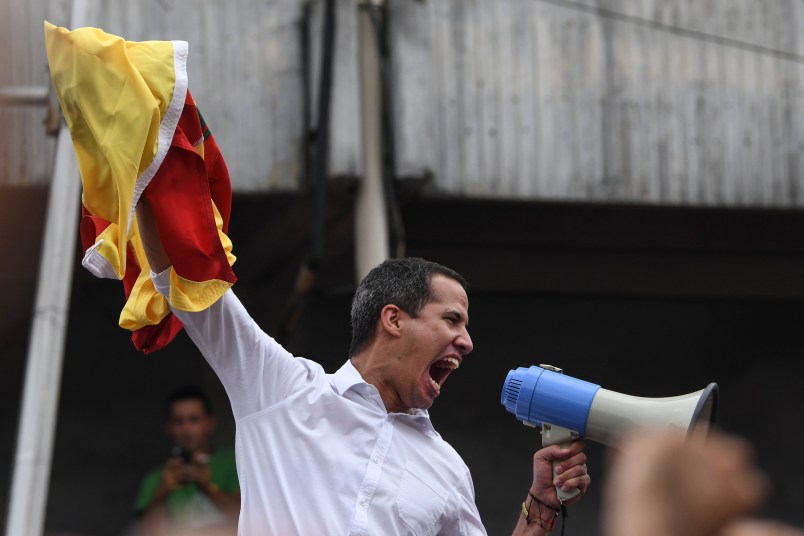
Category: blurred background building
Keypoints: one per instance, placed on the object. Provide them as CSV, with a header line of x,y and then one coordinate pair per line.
x,y
621,181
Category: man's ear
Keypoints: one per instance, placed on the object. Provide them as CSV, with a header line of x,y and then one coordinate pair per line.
x,y
390,318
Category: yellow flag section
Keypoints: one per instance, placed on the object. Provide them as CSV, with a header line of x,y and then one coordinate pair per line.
x,y
121,101
138,134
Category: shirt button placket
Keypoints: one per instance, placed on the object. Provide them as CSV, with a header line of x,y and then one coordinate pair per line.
x,y
372,478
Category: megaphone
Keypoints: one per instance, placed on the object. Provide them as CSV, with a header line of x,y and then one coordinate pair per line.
x,y
567,408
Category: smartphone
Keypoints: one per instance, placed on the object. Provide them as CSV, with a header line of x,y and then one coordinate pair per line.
x,y
186,455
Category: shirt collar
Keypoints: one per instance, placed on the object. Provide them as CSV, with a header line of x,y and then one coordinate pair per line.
x,y
347,377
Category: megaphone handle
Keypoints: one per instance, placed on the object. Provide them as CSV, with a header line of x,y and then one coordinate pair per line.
x,y
556,435
563,495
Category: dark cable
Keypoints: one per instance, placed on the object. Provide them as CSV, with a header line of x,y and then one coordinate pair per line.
x,y
321,160
308,271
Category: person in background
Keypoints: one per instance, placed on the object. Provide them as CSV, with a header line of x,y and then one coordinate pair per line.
x,y
196,490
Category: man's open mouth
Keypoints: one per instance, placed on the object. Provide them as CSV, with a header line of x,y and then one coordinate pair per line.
x,y
441,369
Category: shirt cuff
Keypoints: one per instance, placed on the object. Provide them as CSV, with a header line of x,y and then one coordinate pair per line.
x,y
162,281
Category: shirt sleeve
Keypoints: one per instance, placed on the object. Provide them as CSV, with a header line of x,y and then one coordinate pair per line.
x,y
147,491
255,370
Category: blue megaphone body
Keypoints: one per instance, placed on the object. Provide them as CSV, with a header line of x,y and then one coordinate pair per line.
x,y
567,408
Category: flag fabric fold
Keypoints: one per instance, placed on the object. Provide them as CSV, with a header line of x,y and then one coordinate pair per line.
x,y
138,134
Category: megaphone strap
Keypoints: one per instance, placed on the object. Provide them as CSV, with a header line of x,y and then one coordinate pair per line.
x,y
564,517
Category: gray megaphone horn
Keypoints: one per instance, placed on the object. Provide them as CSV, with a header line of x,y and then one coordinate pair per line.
x,y
567,408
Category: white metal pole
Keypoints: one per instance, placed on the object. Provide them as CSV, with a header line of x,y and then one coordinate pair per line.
x,y
34,450
371,220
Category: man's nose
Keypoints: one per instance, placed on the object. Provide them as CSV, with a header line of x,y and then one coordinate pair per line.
x,y
464,342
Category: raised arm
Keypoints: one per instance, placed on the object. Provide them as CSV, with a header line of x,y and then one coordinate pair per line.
x,y
255,371
664,484
152,244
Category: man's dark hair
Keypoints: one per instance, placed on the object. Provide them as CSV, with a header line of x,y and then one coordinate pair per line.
x,y
401,282
188,392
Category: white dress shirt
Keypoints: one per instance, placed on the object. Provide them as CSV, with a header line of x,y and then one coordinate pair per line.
x,y
317,453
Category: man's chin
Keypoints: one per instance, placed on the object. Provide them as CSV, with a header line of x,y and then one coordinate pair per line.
x,y
426,402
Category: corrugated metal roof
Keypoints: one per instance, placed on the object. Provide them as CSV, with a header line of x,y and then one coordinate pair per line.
x,y
244,68
653,101
646,101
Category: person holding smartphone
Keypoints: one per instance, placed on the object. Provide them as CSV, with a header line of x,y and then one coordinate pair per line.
x,y
196,488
